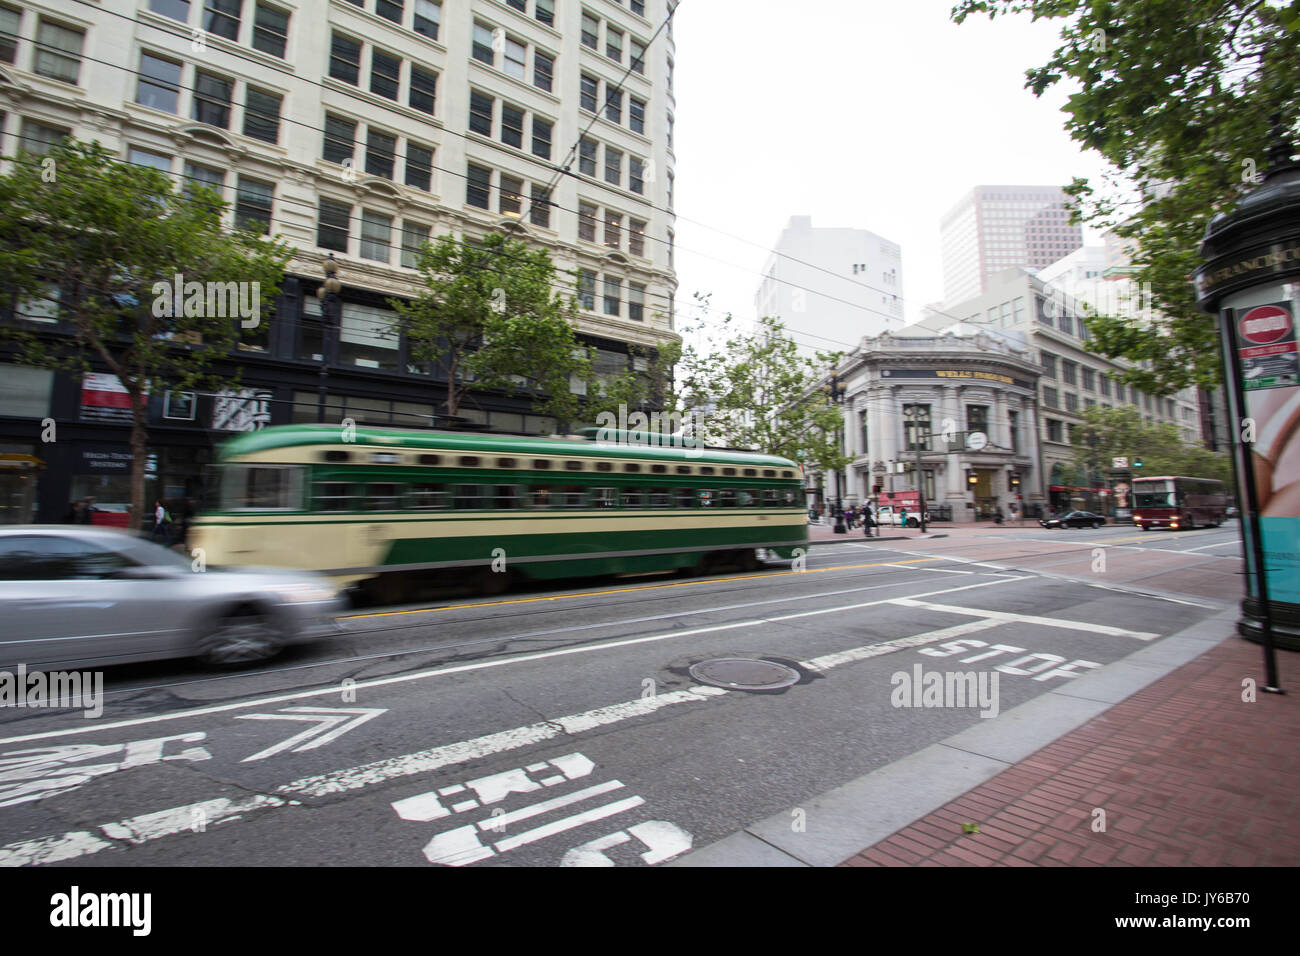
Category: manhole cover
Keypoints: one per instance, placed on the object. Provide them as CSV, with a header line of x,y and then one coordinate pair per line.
x,y
744,673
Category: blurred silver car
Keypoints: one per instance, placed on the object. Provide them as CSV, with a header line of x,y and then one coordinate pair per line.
x,y
78,596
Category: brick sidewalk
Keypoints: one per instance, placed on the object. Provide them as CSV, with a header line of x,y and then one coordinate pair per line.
x,y
1186,772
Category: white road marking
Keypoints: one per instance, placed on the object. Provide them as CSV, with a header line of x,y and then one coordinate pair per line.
x,y
481,665
1235,542
1013,618
331,723
665,841
827,661
568,823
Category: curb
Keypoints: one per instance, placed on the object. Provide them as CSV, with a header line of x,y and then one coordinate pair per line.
x,y
856,816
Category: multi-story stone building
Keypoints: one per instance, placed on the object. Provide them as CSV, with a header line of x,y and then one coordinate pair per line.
x,y
359,129
910,397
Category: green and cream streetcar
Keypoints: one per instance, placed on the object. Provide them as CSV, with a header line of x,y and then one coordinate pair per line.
x,y
389,509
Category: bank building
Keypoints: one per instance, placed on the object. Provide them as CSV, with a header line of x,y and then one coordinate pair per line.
x,y
962,405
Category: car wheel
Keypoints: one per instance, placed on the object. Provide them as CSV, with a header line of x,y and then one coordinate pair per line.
x,y
241,637
1096,525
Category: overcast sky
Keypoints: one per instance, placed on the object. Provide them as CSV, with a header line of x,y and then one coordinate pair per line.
x,y
870,114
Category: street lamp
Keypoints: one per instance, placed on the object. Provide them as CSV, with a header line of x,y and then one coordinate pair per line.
x,y
331,305
835,390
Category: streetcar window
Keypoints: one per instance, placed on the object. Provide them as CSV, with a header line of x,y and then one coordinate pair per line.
x,y
471,498
631,466
706,469
769,472
262,488
683,469
382,496
771,498
604,466
505,463
385,458
508,497
747,499
787,474
604,497
659,469
573,465
751,472
542,464
727,498
332,496
660,498
685,497
633,498
542,497
337,456
469,461
573,496
431,459
424,496
787,497
706,497
728,472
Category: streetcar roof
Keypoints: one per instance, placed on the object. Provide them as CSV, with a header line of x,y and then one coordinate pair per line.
x,y
290,436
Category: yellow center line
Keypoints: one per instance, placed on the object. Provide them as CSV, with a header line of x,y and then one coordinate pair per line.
x,y
640,587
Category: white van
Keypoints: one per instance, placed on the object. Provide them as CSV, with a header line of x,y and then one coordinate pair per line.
x,y
887,515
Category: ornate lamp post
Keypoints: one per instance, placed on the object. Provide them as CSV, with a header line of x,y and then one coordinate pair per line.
x,y
1251,280
331,307
836,390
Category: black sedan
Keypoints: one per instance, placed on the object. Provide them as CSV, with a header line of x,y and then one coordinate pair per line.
x,y
1075,519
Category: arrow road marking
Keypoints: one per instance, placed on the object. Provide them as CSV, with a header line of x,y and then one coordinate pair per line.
x,y
332,723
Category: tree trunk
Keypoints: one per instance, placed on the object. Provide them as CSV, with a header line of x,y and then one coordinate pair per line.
x,y
139,460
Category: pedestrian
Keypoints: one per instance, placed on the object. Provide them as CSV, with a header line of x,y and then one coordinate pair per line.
x,y
162,523
998,516
868,520
902,518
73,514
87,511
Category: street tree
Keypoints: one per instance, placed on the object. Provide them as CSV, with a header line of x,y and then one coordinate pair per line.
x,y
148,283
1107,433
756,391
1182,98
491,316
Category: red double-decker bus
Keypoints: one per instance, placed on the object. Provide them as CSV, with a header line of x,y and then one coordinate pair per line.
x,y
1178,503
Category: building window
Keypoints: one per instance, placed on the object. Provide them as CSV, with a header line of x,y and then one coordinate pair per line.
x,y
385,74
1054,430
544,11
482,49
254,201
613,166
345,59
541,138
638,7
543,70
160,83
587,221
1071,402
512,126
270,30
587,157
478,187
1049,364
977,418
480,113
176,9
424,89
613,229
916,427
1104,382
1013,422
381,154
588,86
638,56
221,17
510,199
9,22
636,237
390,9
419,167
262,115
520,5
1089,379
636,302
613,295
587,289
414,236
636,114
143,157
340,139
614,44
332,225
590,31
613,104
1069,372
539,208
635,174
1051,397
516,59
58,52
375,233
212,100
196,175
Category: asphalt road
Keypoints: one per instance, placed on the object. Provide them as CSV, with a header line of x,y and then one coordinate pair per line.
x,y
561,726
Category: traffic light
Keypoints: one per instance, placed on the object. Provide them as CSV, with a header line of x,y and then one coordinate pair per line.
x,y
1137,462
876,489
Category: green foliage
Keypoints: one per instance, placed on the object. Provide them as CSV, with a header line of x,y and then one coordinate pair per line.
x,y
757,392
1180,96
1107,433
105,233
489,319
